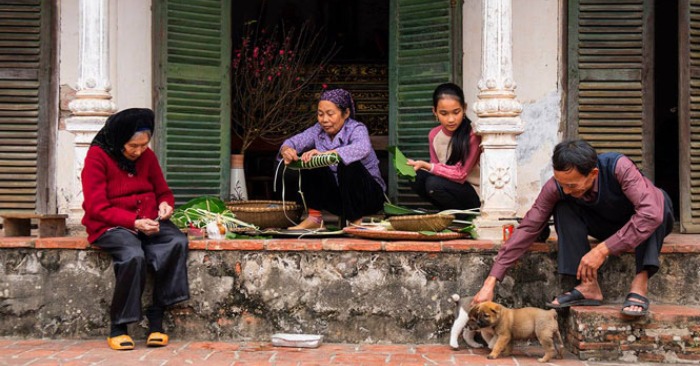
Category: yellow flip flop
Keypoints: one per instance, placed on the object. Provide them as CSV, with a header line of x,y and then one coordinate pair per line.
x,y
120,343
157,339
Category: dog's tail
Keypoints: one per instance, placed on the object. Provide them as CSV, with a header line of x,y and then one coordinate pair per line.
x,y
455,297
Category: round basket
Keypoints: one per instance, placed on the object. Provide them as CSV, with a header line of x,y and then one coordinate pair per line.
x,y
266,214
421,222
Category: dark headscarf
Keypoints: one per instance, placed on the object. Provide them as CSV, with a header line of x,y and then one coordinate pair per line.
x,y
340,97
119,129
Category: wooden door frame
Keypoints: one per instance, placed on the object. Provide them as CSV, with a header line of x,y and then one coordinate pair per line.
x,y
684,77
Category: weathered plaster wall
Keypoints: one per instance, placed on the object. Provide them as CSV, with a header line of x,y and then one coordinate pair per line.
x,y
395,297
536,63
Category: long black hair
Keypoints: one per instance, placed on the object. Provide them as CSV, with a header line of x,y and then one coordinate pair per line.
x,y
459,142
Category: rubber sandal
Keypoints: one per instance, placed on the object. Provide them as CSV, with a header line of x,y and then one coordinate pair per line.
x,y
121,343
644,304
572,297
157,339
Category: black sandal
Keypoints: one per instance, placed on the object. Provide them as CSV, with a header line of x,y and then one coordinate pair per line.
x,y
572,297
644,304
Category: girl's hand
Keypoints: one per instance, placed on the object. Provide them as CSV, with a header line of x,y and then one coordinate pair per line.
x,y
419,164
305,157
288,155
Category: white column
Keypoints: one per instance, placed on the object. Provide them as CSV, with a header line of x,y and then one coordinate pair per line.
x,y
93,102
498,121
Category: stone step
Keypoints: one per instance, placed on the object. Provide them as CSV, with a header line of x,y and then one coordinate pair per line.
x,y
669,333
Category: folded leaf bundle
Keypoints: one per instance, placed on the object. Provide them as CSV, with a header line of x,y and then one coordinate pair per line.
x,y
316,161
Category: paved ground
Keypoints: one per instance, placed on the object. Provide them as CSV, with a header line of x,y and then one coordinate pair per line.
x,y
38,352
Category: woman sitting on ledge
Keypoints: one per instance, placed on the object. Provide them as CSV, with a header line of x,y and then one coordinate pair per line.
x,y
354,187
127,206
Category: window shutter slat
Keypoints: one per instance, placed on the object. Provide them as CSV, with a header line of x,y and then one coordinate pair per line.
x,y
610,99
426,47
193,139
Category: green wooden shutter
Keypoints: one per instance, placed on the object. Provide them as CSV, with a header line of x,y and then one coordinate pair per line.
x,y
689,114
26,133
425,51
610,96
193,95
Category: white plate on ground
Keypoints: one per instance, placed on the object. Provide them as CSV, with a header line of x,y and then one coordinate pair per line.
x,y
296,340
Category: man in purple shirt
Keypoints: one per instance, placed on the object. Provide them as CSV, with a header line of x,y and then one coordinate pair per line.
x,y
604,196
354,187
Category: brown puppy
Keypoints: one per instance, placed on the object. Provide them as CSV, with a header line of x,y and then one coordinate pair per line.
x,y
525,323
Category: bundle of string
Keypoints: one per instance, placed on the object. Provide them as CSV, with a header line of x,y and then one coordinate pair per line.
x,y
316,161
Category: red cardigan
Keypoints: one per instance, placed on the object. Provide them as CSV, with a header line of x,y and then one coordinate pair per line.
x,y
113,197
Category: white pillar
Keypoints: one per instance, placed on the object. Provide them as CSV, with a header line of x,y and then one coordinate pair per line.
x,y
93,102
498,120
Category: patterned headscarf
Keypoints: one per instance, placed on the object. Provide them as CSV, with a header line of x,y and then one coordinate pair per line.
x,y
340,97
119,129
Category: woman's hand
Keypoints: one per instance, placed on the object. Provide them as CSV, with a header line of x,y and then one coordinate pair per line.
x,y
288,155
164,211
419,164
306,157
147,226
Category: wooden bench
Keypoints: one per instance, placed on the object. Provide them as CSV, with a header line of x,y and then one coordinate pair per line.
x,y
19,224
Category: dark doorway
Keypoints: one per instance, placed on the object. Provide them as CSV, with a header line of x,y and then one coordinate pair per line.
x,y
360,31
666,104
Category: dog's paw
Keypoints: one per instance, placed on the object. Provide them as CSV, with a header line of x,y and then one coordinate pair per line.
x,y
491,356
454,345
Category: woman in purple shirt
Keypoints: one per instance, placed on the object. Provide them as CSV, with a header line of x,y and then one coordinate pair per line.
x,y
352,189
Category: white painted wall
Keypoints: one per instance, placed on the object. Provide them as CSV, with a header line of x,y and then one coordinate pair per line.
x,y
537,29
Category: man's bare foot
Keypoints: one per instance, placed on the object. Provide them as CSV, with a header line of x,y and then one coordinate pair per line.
x,y
309,223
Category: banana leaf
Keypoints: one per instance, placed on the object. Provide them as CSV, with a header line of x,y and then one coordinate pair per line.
x,y
201,210
400,164
394,210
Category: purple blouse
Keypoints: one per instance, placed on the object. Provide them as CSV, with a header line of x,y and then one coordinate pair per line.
x,y
352,144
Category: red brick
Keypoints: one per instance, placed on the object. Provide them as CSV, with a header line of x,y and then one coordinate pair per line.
x,y
650,357
352,245
468,246
197,244
68,242
239,244
597,345
17,242
412,246
294,245
638,347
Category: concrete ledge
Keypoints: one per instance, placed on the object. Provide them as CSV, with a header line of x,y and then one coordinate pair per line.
x,y
349,290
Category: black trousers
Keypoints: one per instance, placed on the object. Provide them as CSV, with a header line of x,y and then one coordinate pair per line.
x,y
574,223
444,193
354,195
164,253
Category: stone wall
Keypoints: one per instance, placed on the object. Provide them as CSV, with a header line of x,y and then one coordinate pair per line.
x,y
348,296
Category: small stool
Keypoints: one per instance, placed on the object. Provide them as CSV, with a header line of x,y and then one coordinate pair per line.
x,y
19,224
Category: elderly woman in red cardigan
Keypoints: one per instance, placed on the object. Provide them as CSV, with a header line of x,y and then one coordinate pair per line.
x,y
127,207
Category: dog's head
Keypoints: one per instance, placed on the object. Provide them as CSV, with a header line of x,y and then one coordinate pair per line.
x,y
486,314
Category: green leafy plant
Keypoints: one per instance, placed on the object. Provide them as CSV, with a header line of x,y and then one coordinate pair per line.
x,y
200,211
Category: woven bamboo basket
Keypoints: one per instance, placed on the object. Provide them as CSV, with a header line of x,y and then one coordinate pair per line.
x,y
434,222
266,214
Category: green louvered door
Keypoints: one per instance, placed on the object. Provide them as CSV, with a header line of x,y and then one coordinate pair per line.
x,y
193,41
27,106
425,50
689,114
610,92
